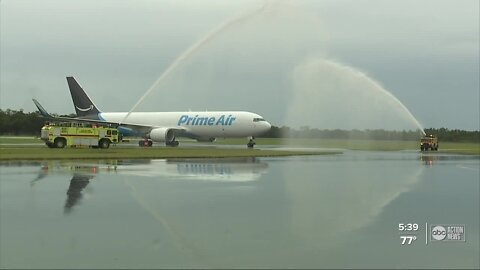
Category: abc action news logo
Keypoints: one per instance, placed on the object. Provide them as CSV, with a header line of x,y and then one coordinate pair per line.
x,y
447,233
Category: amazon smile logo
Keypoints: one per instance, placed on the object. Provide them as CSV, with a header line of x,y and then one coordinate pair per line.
x,y
85,110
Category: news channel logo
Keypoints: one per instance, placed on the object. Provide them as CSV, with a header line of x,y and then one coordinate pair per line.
x,y
447,233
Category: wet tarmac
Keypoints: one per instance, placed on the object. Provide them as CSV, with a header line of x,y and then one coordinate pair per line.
x,y
338,211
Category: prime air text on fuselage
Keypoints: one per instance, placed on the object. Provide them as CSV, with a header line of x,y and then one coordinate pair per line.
x,y
223,120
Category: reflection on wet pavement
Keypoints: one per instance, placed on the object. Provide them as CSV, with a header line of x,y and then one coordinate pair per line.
x,y
74,193
295,212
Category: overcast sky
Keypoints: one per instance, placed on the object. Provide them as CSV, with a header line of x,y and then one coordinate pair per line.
x,y
316,63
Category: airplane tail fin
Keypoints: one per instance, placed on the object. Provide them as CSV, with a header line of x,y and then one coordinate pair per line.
x,y
82,103
40,108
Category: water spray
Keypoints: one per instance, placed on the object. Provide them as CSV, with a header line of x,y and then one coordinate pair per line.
x,y
193,49
383,91
320,80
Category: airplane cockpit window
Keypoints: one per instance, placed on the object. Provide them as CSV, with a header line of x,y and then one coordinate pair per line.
x,y
258,119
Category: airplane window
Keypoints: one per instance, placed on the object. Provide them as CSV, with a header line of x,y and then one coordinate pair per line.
x,y
258,119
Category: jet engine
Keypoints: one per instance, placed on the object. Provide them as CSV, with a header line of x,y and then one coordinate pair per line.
x,y
166,135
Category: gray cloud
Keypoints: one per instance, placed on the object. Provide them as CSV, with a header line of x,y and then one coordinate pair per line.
x,y
424,52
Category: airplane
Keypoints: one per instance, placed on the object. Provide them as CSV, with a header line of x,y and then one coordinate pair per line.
x,y
165,127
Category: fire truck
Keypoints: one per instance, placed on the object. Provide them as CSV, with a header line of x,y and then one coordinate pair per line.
x,y
429,142
59,135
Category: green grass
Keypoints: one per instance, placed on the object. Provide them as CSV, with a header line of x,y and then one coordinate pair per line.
x,y
13,149
460,148
18,140
36,153
371,145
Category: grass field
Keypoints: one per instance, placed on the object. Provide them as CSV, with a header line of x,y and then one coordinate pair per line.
x,y
18,140
33,148
373,145
36,153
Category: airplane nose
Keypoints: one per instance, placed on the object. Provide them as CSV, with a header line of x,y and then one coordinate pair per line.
x,y
268,126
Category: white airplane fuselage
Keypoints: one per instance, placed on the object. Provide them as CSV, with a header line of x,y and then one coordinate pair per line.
x,y
197,124
165,126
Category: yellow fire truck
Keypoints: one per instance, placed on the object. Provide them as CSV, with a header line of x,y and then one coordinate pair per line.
x,y
59,135
429,142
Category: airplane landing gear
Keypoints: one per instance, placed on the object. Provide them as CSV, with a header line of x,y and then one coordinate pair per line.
x,y
149,143
251,142
173,143
145,143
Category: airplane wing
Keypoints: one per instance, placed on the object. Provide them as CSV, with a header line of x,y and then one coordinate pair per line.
x,y
138,128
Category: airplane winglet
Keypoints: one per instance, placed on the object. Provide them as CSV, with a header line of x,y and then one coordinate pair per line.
x,y
43,112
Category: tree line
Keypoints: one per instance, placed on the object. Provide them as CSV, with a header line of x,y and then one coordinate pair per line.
x,y
17,122
444,134
13,122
